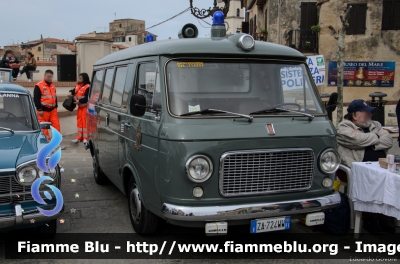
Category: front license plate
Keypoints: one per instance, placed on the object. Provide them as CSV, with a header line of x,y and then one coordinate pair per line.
x,y
270,224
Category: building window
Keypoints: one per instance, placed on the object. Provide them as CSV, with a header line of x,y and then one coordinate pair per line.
x,y
308,15
357,19
120,25
129,39
238,12
251,27
390,16
255,24
266,19
39,48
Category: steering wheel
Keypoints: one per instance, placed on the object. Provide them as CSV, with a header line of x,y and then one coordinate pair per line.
x,y
299,106
11,114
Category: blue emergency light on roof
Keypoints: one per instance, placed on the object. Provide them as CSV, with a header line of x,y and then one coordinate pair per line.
x,y
218,18
149,38
218,30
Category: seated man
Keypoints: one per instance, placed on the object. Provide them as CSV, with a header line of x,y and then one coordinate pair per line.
x,y
361,139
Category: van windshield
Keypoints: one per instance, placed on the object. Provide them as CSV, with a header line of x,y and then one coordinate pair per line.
x,y
239,86
16,113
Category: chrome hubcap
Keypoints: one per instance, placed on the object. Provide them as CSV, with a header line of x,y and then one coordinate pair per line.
x,y
136,205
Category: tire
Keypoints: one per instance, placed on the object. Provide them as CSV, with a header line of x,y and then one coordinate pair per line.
x,y
143,221
99,177
48,230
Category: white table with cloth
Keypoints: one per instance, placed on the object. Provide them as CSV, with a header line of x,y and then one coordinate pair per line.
x,y
375,190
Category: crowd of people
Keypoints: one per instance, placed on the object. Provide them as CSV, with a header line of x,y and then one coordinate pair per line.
x,y
46,103
45,94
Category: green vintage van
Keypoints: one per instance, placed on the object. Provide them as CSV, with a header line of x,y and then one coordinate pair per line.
x,y
211,132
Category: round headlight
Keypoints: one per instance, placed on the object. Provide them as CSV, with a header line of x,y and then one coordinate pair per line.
x,y
27,174
329,161
246,42
199,168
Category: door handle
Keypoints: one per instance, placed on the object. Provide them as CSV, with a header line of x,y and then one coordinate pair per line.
x,y
107,119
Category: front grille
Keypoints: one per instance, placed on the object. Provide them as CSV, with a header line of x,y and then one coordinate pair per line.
x,y
266,171
11,191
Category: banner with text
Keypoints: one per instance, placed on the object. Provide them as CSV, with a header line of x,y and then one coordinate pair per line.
x,y
366,74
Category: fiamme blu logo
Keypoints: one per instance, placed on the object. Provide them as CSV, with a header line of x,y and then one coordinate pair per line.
x,y
47,160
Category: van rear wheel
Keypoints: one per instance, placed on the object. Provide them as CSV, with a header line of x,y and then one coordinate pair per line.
x,y
143,221
99,176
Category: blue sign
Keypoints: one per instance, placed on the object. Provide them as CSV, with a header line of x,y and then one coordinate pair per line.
x,y
364,74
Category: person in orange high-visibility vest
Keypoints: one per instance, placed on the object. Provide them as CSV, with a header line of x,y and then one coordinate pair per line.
x,y
45,99
80,94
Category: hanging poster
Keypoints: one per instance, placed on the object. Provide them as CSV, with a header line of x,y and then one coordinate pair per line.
x,y
292,77
364,74
317,68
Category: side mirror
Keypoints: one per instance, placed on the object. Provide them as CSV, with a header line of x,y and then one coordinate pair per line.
x,y
137,105
45,125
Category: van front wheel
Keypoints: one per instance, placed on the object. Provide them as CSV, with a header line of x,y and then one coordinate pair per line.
x,y
143,221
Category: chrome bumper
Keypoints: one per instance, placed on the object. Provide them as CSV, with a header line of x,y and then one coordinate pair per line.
x,y
20,218
249,211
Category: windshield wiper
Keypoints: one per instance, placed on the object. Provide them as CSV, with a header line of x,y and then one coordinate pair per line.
x,y
211,111
278,110
8,129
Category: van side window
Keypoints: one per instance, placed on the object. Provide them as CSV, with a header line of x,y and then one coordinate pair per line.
x,y
107,86
96,85
146,84
130,77
119,84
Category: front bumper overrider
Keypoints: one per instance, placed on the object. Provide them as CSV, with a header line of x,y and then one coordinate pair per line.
x,y
20,217
250,211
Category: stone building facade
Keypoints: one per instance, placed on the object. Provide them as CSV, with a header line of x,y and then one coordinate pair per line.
x,y
373,35
129,32
45,48
235,15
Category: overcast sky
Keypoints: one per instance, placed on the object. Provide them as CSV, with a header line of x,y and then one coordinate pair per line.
x,y
67,19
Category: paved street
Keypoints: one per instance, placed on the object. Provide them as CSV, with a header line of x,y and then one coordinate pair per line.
x,y
99,209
